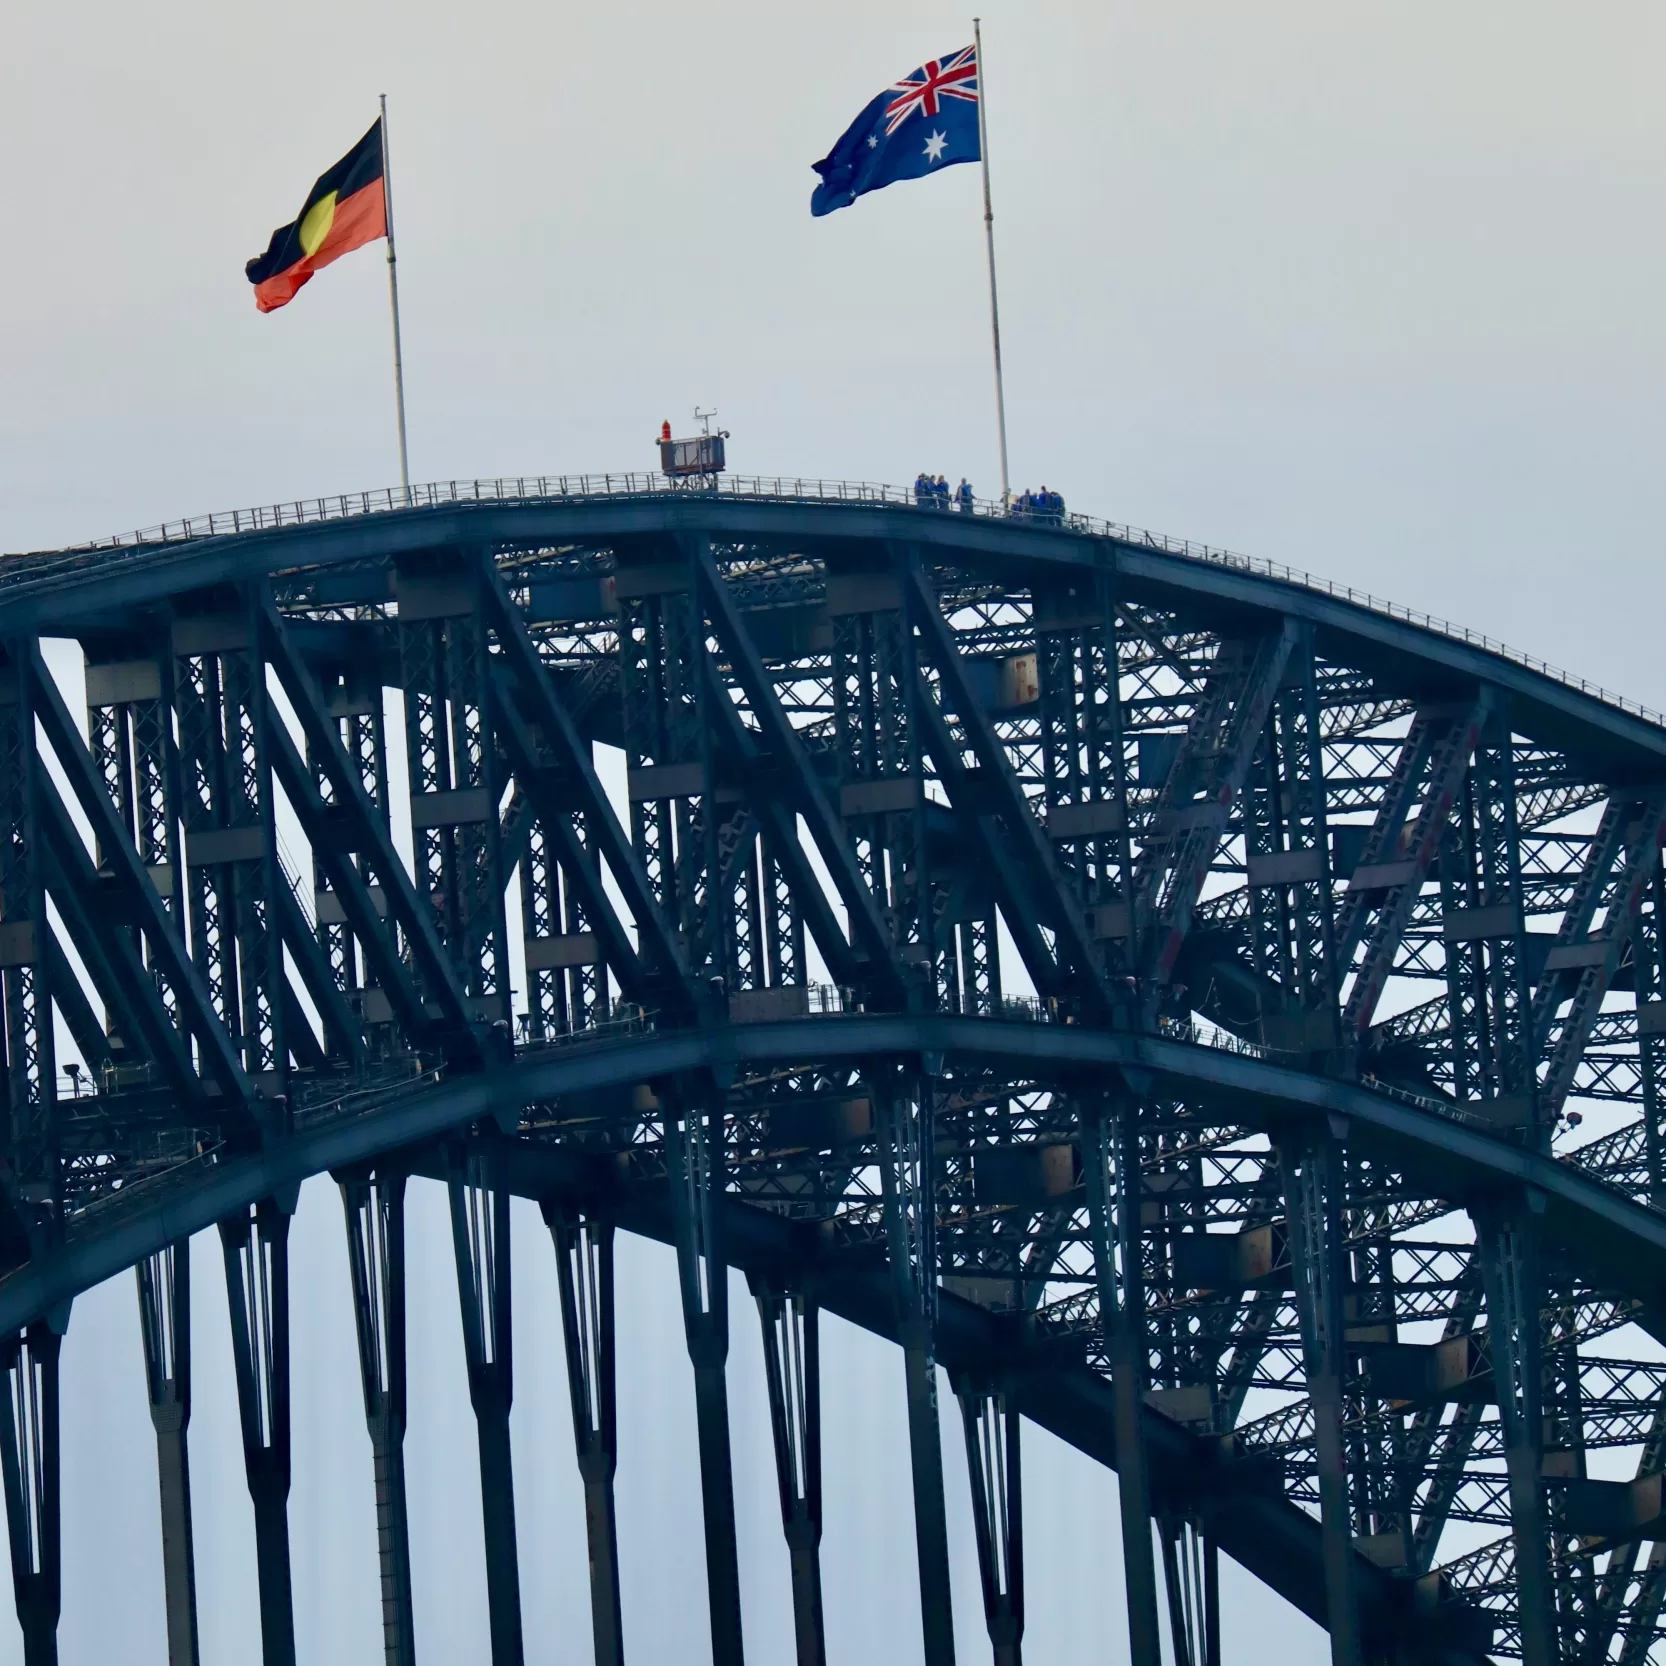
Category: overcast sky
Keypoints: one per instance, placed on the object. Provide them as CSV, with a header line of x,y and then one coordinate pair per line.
x,y
1370,288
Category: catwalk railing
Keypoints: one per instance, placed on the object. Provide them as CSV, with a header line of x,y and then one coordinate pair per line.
x,y
782,488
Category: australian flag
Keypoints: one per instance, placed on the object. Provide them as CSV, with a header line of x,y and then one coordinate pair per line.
x,y
927,122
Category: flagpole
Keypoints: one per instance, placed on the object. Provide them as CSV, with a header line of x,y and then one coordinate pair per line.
x,y
393,298
989,238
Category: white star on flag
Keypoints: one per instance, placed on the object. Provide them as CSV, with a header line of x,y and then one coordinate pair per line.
x,y
935,146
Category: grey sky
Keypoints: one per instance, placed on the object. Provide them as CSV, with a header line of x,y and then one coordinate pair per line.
x,y
1373,289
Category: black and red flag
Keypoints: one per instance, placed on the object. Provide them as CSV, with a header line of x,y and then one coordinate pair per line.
x,y
344,210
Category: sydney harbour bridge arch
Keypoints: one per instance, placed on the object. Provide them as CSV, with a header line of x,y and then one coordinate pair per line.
x,y
1216,1018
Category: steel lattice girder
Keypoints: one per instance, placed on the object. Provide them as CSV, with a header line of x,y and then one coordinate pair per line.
x,y
1226,822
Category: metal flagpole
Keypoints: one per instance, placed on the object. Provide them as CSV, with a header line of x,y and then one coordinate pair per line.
x,y
989,236
393,297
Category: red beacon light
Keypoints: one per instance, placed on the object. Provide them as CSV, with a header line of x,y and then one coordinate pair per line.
x,y
665,433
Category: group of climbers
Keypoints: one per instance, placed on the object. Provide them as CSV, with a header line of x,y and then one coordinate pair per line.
x,y
932,491
1042,506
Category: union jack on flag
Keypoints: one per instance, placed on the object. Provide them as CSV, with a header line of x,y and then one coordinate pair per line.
x,y
937,78
883,145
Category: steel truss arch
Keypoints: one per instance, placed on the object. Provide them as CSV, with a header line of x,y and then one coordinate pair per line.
x,y
735,825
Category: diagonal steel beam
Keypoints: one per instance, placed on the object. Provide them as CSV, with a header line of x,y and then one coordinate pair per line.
x,y
1449,1454
1006,795
545,787
370,831
656,939
1441,1450
780,823
299,1039
122,981
809,798
775,818
1605,848
1179,849
324,831
71,1000
1643,1620
1020,907
197,1011
1591,961
1397,883
342,1035
1609,1608
1382,843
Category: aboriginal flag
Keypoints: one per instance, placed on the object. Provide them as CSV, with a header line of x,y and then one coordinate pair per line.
x,y
346,209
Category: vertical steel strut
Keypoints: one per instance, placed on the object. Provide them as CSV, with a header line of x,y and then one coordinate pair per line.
x,y
1084,768
236,878
1191,1576
375,1210
480,1239
164,1281
992,1426
1287,860
1111,1172
882,793
354,694
1512,1279
1483,930
1211,1598
1311,1169
584,1268
669,732
455,776
907,1176
29,1452
256,1248
792,1366
28,1061
694,1135
1649,961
